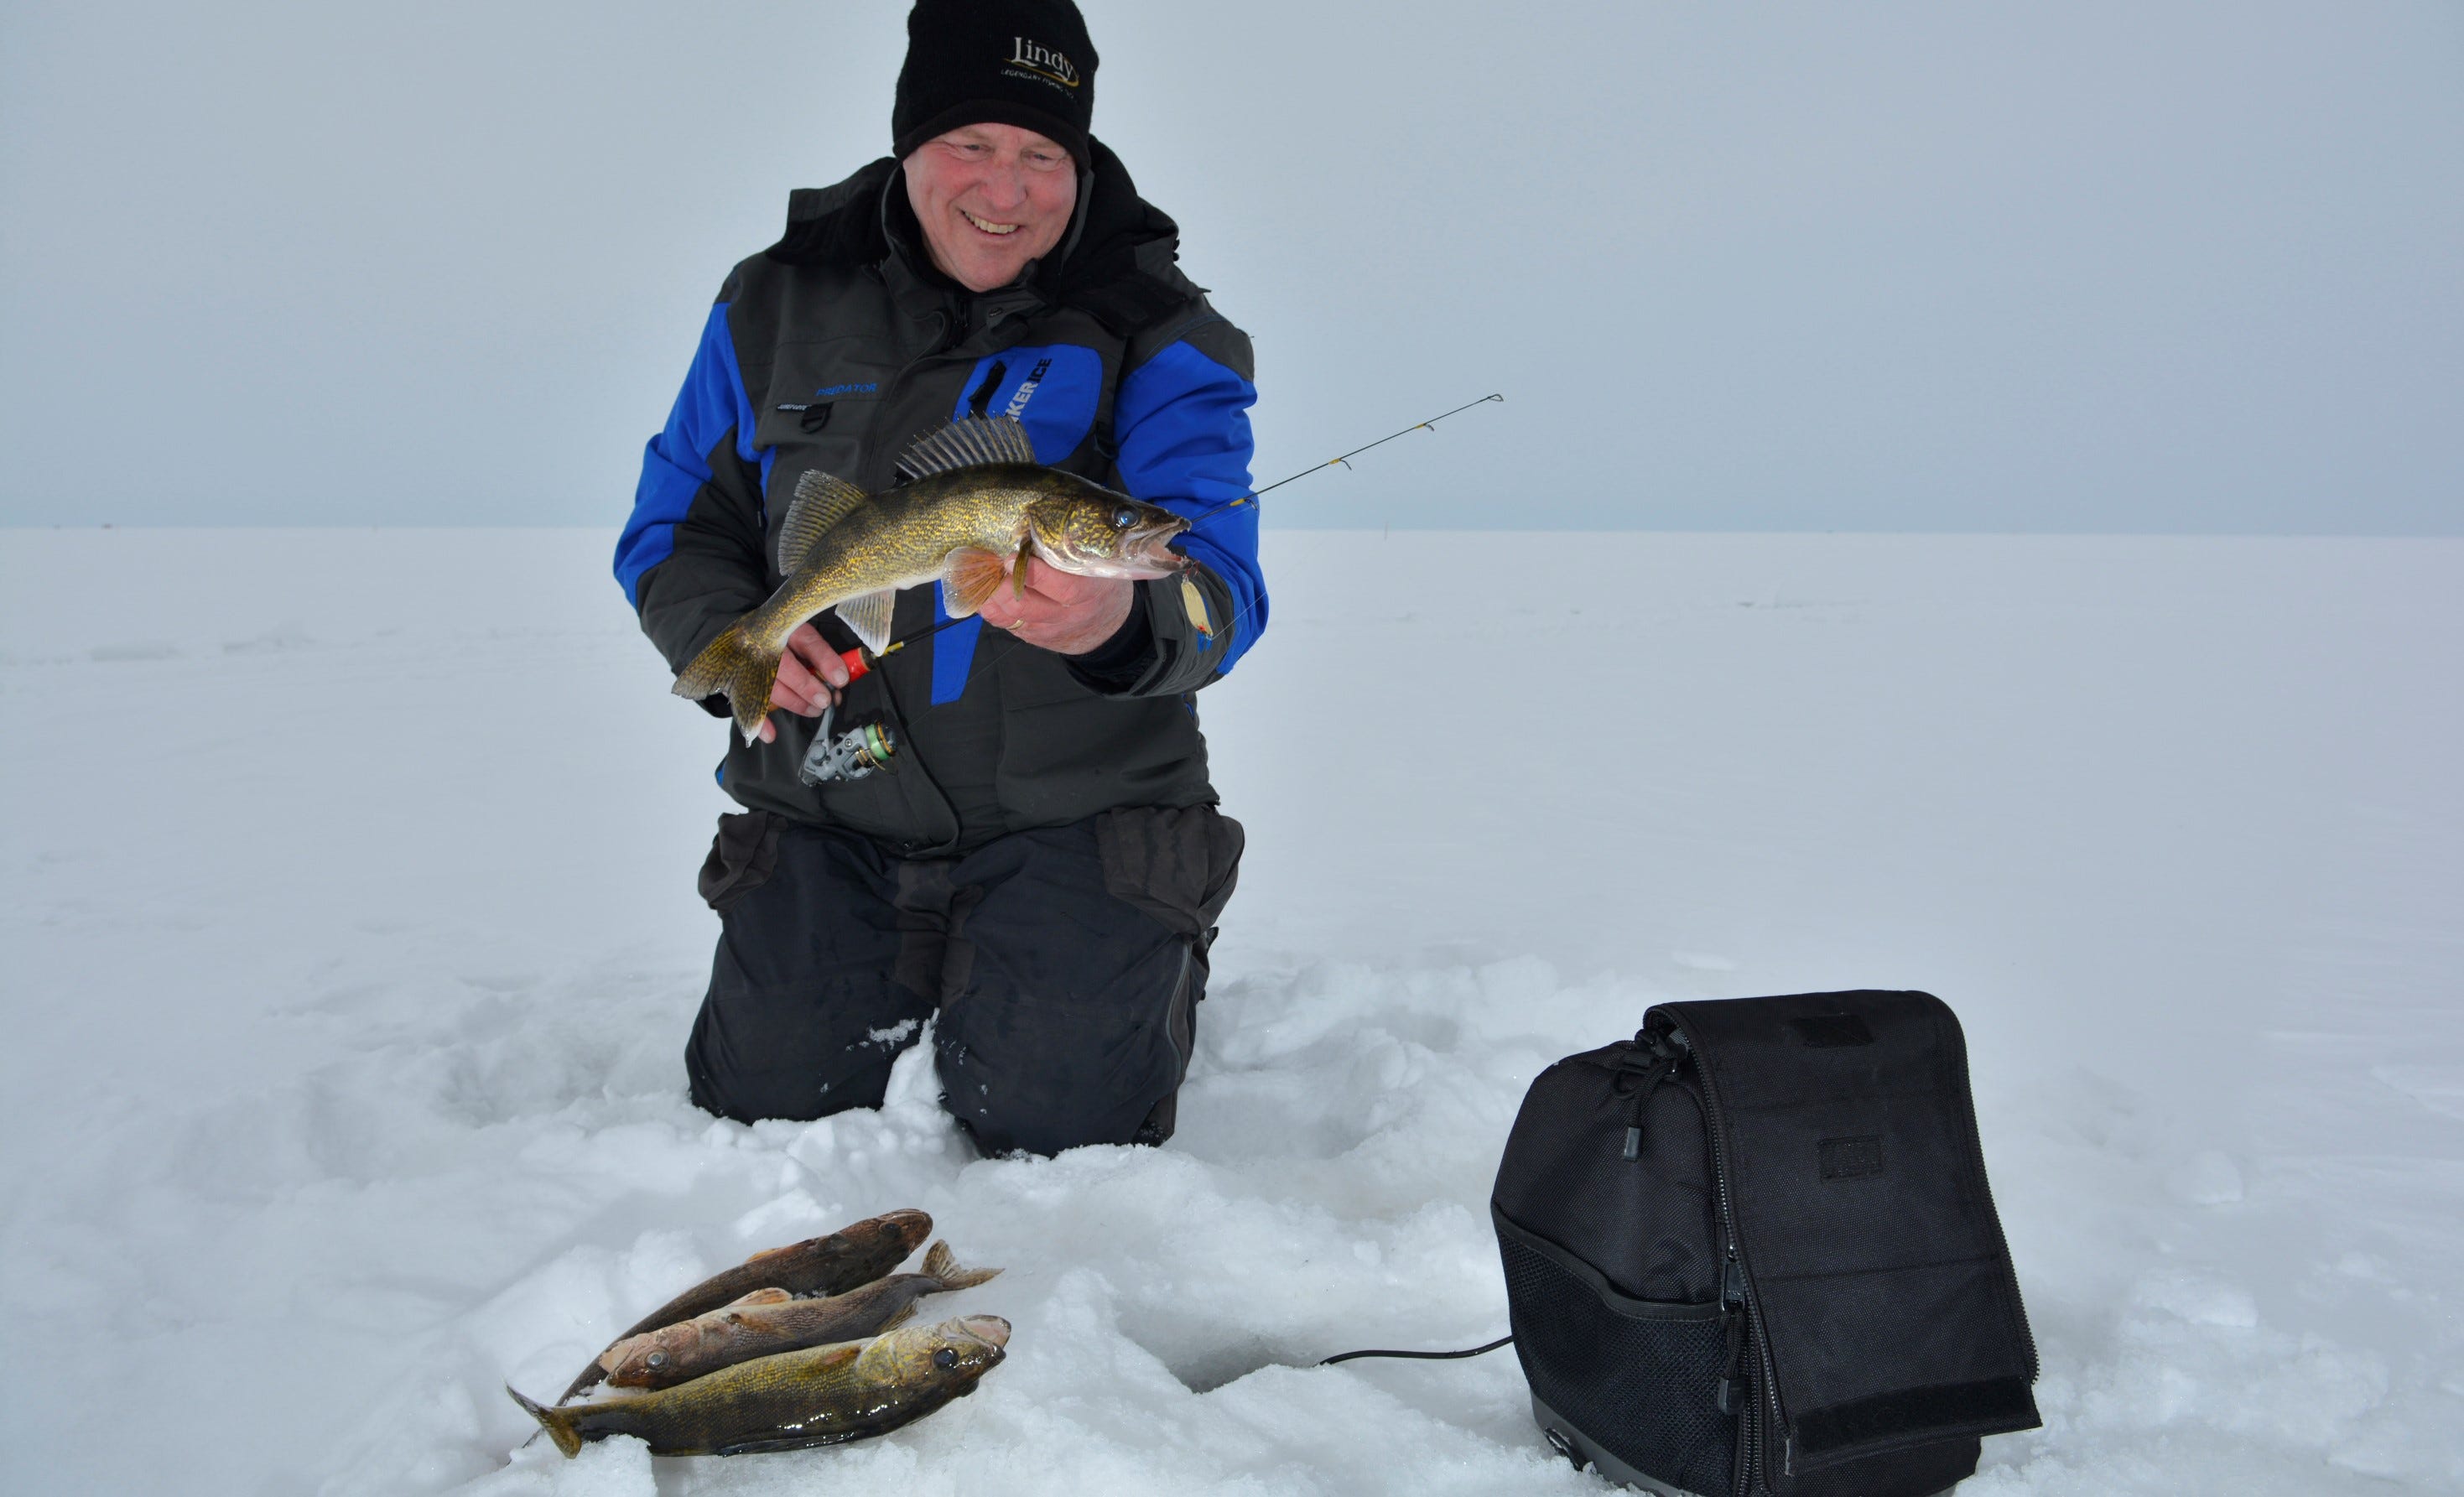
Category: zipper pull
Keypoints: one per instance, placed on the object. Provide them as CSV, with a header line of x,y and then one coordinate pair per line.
x,y
1731,1391
1642,1099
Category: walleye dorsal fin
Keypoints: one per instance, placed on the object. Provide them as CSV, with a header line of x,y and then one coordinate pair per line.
x,y
769,1296
968,442
821,500
869,615
898,1318
970,575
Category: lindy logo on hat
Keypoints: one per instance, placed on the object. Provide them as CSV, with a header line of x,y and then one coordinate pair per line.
x,y
1043,61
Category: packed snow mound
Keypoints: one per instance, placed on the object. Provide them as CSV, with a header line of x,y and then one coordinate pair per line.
x,y
353,948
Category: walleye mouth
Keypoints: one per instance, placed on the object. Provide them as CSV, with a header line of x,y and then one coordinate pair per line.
x,y
1152,543
991,1330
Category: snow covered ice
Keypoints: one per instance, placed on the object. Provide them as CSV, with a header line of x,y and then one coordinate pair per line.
x,y
351,943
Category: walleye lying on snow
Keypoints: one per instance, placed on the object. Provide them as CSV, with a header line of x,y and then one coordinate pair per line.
x,y
847,1259
820,1397
978,505
769,1321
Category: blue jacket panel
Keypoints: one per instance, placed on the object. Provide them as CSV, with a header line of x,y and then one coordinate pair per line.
x,y
712,407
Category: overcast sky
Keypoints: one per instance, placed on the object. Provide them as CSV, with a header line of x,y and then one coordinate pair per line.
x,y
2078,267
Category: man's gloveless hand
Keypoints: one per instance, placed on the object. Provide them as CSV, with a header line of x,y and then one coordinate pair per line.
x,y
810,678
1058,610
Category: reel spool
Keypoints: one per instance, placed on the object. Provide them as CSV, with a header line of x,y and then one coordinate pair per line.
x,y
852,754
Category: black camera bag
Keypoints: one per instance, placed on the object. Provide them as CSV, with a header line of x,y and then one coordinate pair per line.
x,y
1751,1251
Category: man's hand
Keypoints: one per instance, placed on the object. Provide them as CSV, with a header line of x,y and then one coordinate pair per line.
x,y
1061,611
810,678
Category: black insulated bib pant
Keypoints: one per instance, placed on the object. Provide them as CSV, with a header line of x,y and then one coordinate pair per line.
x,y
1062,967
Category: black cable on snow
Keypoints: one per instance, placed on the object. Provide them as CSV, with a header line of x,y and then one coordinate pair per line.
x,y
1431,1357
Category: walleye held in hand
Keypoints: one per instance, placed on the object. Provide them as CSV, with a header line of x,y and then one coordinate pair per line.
x,y
978,505
823,1395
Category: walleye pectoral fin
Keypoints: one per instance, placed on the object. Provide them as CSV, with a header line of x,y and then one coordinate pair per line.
x,y
821,500
970,575
1018,569
869,617
968,442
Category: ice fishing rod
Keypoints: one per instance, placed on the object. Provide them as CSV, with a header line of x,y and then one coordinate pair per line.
x,y
870,746
1345,459
859,660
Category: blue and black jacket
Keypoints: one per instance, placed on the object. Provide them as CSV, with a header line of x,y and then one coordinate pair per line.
x,y
839,345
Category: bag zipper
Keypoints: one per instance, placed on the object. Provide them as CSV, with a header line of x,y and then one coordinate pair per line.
x,y
1749,1452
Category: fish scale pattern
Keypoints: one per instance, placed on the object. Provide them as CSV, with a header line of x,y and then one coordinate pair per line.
x,y
1641,1390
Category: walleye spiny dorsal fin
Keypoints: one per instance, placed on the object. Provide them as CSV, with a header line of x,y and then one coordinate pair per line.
x,y
970,575
968,442
821,500
869,616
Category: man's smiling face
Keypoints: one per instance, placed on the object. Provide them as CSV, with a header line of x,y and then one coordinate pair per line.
x,y
991,197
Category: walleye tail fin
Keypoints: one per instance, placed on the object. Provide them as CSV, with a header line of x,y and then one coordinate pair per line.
x,y
734,664
944,1265
557,1424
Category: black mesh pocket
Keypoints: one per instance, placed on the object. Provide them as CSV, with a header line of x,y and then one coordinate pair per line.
x,y
1637,1378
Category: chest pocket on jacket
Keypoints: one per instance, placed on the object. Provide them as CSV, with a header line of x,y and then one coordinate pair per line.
x,y
1056,390
819,407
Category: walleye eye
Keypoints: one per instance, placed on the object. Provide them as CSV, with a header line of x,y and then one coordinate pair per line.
x,y
658,1359
1124,518
945,1359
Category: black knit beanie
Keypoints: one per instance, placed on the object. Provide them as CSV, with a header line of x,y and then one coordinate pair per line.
x,y
1021,62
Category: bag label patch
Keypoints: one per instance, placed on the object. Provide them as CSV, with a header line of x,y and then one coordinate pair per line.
x,y
1830,1031
1851,1158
